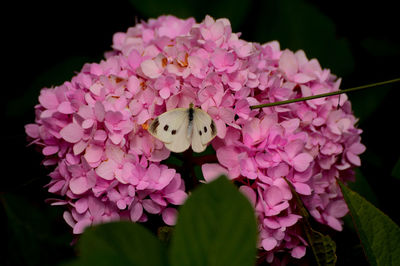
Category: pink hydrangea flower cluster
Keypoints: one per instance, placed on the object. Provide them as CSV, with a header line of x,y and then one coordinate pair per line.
x,y
108,167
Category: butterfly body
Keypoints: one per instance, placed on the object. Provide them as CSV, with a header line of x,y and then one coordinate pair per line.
x,y
181,128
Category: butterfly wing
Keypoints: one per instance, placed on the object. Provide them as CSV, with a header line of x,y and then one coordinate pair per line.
x,y
204,130
171,128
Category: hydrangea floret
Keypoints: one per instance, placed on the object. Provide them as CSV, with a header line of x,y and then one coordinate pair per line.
x,y
106,166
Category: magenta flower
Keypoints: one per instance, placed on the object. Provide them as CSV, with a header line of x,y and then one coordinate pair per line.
x,y
106,166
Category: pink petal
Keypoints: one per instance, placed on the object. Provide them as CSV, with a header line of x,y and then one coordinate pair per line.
x,y
269,243
288,63
78,185
65,108
291,125
249,193
354,159
298,252
134,59
293,148
177,198
284,187
302,188
228,156
113,117
48,99
133,84
79,147
72,133
136,212
291,219
166,176
169,216
278,171
81,225
32,130
301,78
69,219
96,207
334,223
302,161
100,135
165,93
151,207
150,69
271,223
121,204
159,155
99,111
93,153
357,148
212,171
49,150
218,58
87,123
221,128
81,205
57,186
337,208
273,196
159,199
106,169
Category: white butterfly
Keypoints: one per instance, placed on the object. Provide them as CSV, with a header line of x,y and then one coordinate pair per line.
x,y
181,127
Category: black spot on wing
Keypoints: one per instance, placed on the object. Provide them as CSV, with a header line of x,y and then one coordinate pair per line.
x,y
205,129
173,132
166,127
200,133
154,125
213,128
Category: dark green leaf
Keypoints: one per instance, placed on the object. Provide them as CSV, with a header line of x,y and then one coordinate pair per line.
x,y
396,170
31,237
121,243
379,235
235,10
297,24
216,227
324,248
362,187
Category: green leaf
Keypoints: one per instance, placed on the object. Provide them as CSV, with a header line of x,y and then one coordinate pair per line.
x,y
121,243
322,246
235,10
379,235
216,227
31,233
396,170
297,24
362,187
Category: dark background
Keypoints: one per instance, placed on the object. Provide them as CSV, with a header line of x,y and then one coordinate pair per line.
x,y
45,43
